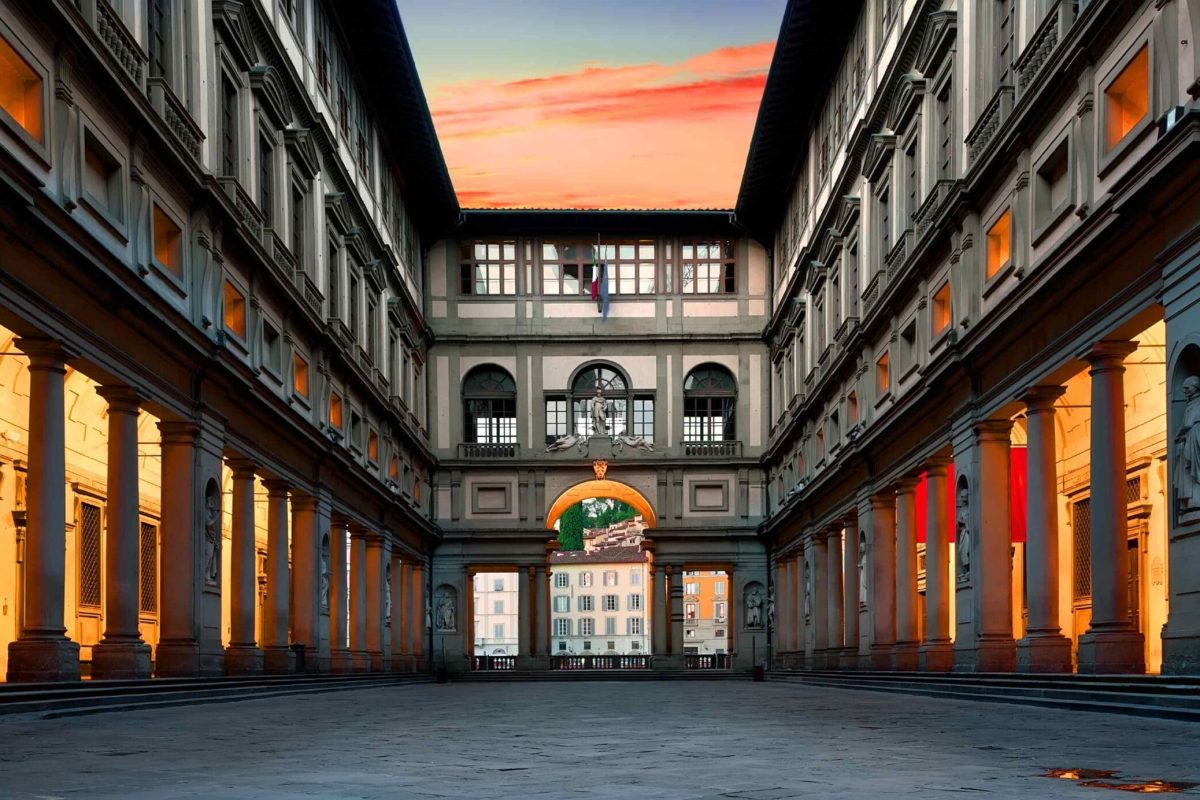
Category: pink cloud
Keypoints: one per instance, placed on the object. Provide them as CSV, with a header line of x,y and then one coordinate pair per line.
x,y
645,135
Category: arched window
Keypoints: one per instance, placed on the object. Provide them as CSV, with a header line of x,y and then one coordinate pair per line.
x,y
709,398
489,406
629,414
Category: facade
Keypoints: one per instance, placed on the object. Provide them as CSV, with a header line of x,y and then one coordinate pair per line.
x,y
706,619
927,398
982,335
495,622
599,602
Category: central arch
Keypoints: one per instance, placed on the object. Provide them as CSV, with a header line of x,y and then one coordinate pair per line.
x,y
614,490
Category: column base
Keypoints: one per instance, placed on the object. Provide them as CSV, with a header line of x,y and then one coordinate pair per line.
x,y
243,659
1120,652
177,659
906,656
995,653
279,660
1181,652
120,661
50,659
400,664
937,656
881,657
1044,653
377,661
361,660
341,661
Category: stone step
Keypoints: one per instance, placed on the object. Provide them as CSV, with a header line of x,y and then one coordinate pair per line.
x,y
1155,685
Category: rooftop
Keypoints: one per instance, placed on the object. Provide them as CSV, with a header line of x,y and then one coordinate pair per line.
x,y
607,555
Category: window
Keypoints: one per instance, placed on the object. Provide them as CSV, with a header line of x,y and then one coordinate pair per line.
x,y
610,578
945,133
272,349
643,417
352,320
561,580
691,589
852,408
940,317
884,205
291,10
720,610
1052,189
631,266
912,179
498,630
562,627
356,431
908,347
1005,41
566,268
635,602
498,586
158,23
610,629
235,311
394,469
372,328
585,579
334,266
556,418
707,268
610,384
498,606
300,375
690,611
883,375
488,268
298,225
719,588
1127,98
635,577
168,243
335,411
148,568
709,397
610,603
21,91
89,555
587,627
562,646
103,184
489,406
999,243
587,645
373,447
585,603
266,180
562,603
228,127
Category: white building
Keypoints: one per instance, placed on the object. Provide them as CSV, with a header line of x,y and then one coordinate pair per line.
x,y
495,631
599,602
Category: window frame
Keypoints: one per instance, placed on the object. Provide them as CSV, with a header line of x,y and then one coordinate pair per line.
x,y
726,263
710,397
469,265
1108,157
497,406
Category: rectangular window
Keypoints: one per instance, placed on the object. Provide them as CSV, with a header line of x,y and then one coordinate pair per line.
x,y
334,266
586,603
498,630
562,603
488,268
999,243
266,181
912,179
562,627
235,311
587,627
498,586
556,418
585,579
610,628
168,243
1052,190
272,349
631,266
21,94
945,133
498,607
300,375
884,205
373,447
89,555
158,24
610,578
1127,99
372,313
1005,43
883,375
103,184
691,611
720,611
643,418
298,225
691,588
148,568
708,268
566,268
635,577
611,603
635,602
719,588
228,127
633,627
940,319
335,411
352,321
561,580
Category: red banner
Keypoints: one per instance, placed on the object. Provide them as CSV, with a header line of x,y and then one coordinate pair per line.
x,y
1017,472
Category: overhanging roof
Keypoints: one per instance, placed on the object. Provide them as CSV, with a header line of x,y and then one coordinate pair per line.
x,y
380,49
808,54
610,222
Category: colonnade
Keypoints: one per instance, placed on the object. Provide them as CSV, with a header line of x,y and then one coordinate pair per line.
x,y
305,608
818,575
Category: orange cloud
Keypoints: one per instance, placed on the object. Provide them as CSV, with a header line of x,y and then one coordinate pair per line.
x,y
638,136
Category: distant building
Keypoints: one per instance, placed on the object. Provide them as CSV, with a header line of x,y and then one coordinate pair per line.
x,y
705,612
495,614
627,533
598,601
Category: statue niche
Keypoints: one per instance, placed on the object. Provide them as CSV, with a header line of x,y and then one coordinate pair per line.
x,y
212,534
325,573
962,529
445,616
754,599
1186,472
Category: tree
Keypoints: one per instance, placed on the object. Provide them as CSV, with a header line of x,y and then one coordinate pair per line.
x,y
570,528
611,512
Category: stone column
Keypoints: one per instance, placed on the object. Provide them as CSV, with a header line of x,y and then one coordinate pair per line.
x,y
905,652
819,563
778,636
43,652
801,600
398,632
661,610
242,656
995,649
849,660
340,659
121,654
277,656
1112,644
937,651
794,634
527,612
419,619
373,550
359,654
835,608
883,580
306,612
178,651
1044,648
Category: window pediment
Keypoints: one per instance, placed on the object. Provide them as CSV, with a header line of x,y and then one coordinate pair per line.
x,y
271,96
336,213
232,26
878,156
938,41
905,101
815,276
303,151
848,214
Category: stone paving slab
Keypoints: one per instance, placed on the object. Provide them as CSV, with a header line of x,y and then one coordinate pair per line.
x,y
590,741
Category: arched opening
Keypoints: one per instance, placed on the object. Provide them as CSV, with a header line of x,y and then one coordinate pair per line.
x,y
489,397
709,401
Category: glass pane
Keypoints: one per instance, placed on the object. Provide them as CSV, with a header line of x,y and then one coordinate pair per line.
x,y
646,278
646,250
549,252
627,251
570,252
480,251
550,278
571,279
493,251
510,251
628,283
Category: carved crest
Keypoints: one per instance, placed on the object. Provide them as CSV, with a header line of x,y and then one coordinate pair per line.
x,y
600,467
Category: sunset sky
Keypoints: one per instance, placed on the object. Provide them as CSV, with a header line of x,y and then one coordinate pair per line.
x,y
573,104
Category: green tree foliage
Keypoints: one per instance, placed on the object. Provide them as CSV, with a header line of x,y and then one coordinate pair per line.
x,y
570,528
590,514
613,511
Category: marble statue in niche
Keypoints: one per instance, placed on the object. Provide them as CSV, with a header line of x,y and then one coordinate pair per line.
x,y
1187,454
754,607
387,594
325,573
444,617
771,609
862,568
212,534
962,531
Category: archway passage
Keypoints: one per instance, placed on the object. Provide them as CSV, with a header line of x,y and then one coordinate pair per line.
x,y
614,490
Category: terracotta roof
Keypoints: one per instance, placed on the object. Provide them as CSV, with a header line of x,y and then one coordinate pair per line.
x,y
606,555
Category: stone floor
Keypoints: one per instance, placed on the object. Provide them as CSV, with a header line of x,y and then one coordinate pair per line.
x,y
587,740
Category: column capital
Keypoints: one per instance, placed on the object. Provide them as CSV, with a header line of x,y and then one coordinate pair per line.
x,y
1041,399
1109,354
938,466
907,484
178,432
303,502
242,468
46,354
374,540
276,487
668,569
883,500
850,518
121,399
994,430
833,532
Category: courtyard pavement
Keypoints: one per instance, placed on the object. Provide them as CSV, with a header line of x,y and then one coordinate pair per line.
x,y
588,740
